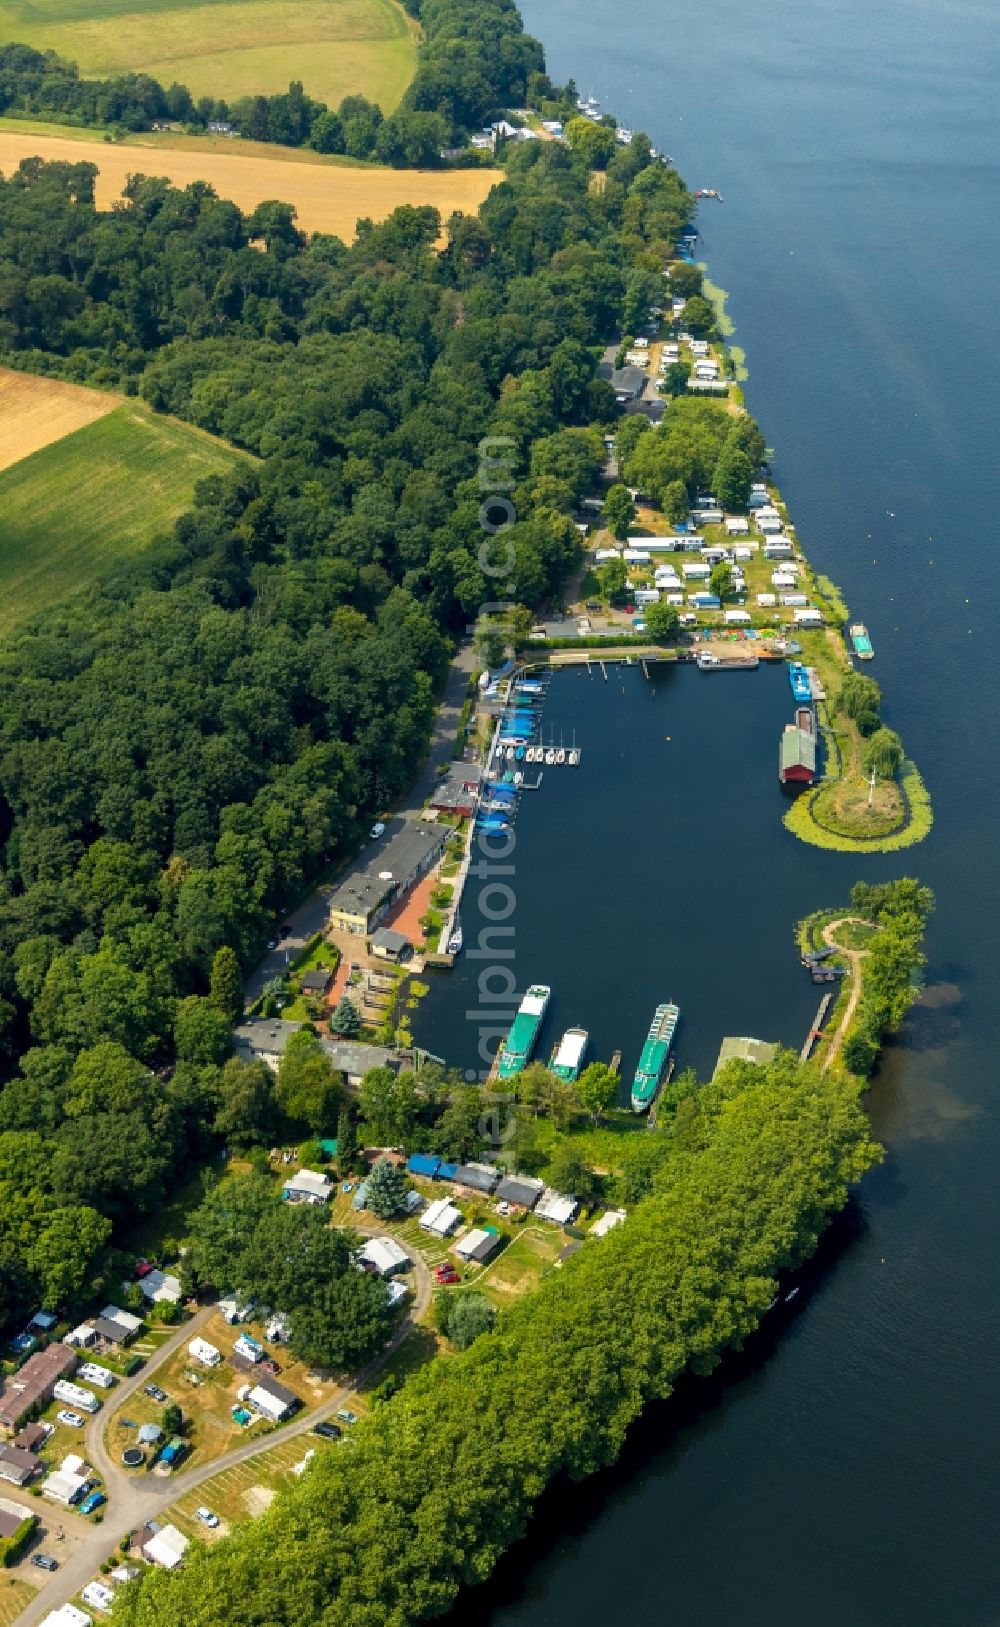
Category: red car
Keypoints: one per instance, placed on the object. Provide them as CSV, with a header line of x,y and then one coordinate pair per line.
x,y
445,1273
143,1268
271,1366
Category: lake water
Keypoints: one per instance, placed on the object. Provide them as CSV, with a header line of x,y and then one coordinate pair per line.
x,y
845,1474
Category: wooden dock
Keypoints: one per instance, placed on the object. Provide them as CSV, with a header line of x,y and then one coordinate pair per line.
x,y
816,1031
664,1082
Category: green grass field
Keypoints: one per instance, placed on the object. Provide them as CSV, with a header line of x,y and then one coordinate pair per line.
x,y
98,495
229,48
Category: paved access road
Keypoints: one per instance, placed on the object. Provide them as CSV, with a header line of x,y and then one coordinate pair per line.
x,y
132,1501
310,917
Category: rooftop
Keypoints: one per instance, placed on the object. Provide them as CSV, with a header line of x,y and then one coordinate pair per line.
x,y
744,1049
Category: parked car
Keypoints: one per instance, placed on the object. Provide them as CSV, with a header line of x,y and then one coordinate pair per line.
x,y
272,943
155,1393
270,1365
206,1517
445,1275
329,1432
346,1416
45,1562
92,1502
73,1419
378,829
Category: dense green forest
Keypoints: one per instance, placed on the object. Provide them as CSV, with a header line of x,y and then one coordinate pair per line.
x,y
442,1478
182,750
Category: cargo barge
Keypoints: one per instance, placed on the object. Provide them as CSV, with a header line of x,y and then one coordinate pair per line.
x,y
567,1058
653,1061
520,1042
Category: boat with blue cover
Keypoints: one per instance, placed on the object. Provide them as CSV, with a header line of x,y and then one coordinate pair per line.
x,y
798,677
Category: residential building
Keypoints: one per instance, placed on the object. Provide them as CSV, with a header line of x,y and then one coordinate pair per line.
x,y
478,1246
607,1222
520,1191
363,899
307,1186
561,1209
317,981
476,1177
166,1547
270,1398
112,1332
130,1322
33,1437
18,1466
160,1285
69,1482
441,1218
627,382
82,1337
384,1256
33,1384
386,944
264,1039
12,1517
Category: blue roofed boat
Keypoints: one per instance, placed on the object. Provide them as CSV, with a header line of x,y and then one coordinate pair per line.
x,y
798,677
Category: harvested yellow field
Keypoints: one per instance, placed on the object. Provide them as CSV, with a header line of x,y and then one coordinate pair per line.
x,y
326,197
34,412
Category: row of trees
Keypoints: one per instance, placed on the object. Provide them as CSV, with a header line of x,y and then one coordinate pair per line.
x,y
892,965
442,1477
860,699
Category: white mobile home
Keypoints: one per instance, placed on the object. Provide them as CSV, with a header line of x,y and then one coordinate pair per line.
x,y
794,599
737,618
767,601
693,570
200,1350
809,617
636,556
737,525
75,1395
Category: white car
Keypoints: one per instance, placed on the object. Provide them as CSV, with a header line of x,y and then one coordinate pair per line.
x,y
206,1517
74,1420
378,829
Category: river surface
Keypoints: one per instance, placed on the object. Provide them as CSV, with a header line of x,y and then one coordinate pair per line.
x,y
846,1473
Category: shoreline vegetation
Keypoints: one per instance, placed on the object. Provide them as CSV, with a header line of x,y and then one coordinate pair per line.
x,y
188,745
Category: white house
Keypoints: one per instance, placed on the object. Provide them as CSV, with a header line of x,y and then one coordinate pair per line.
x,y
699,347
693,570
160,1286
441,1218
778,547
607,1222
209,1355
809,617
67,1483
248,1348
385,1256
770,524
636,556
737,525
166,1547
794,599
736,618
307,1186
67,1616
270,1399
557,1207
233,1310
706,516
603,555
767,601
125,1319
784,579
82,1337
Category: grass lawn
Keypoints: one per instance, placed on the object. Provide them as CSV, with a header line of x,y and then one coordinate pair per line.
x,y
244,1490
519,1269
206,1396
417,1349
229,48
15,1596
327,197
73,509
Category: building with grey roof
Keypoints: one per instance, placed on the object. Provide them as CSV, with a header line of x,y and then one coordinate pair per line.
x,y
362,899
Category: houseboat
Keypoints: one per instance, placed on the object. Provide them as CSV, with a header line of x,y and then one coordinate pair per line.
x,y
567,1058
797,750
798,677
520,1042
861,643
653,1060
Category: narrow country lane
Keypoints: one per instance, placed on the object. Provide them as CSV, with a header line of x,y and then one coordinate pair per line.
x,y
131,1502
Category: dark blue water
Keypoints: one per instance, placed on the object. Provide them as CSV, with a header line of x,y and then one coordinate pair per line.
x,y
847,1475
